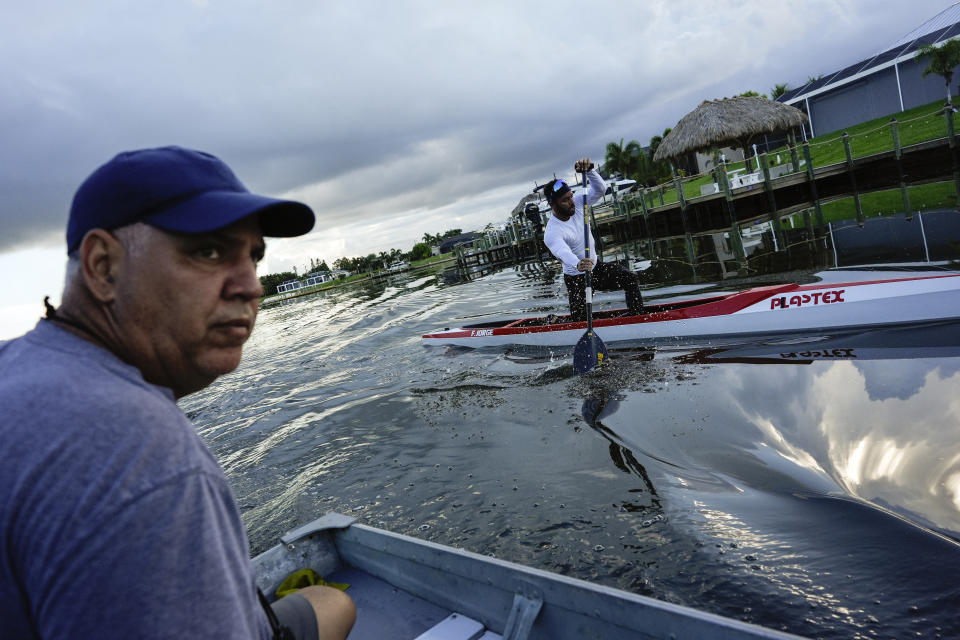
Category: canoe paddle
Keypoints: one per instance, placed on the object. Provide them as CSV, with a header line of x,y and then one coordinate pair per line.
x,y
590,351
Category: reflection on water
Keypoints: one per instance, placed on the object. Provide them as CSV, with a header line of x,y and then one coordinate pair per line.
x,y
602,401
845,465
857,424
807,483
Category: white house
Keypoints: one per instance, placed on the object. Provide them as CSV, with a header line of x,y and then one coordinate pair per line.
x,y
289,285
318,277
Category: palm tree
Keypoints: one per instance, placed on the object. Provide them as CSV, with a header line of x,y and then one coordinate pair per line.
x,y
621,159
634,155
778,90
644,170
612,160
660,171
943,60
654,144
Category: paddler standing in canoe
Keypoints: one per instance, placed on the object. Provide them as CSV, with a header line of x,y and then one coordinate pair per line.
x,y
564,238
115,519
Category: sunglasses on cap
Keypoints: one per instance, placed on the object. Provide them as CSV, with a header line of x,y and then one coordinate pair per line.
x,y
556,190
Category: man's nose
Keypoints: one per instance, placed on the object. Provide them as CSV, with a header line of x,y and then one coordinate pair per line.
x,y
243,281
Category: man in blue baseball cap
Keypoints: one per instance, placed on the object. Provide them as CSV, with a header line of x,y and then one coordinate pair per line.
x,y
117,522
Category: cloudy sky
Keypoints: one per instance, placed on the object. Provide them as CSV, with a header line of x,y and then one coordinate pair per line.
x,y
391,119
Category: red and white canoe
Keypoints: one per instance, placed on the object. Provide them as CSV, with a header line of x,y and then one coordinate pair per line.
x,y
762,310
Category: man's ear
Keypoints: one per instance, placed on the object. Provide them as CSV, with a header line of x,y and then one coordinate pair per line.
x,y
101,258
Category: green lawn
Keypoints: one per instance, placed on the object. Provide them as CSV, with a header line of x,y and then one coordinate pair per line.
x,y
874,136
443,257
915,125
941,195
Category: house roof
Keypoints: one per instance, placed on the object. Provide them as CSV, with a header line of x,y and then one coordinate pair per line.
x,y
940,28
452,241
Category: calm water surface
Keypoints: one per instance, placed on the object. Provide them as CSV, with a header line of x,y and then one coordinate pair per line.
x,y
810,484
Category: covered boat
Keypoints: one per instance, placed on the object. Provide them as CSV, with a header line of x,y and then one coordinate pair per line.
x,y
406,588
758,311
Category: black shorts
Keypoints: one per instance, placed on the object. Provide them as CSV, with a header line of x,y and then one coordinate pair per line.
x,y
606,276
296,613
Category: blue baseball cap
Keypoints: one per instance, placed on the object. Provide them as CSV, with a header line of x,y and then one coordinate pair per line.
x,y
176,189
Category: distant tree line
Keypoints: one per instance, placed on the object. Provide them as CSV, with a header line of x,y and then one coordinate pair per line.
x,y
362,264
272,281
318,265
369,262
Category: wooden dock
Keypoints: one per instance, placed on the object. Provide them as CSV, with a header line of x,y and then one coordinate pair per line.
x,y
648,218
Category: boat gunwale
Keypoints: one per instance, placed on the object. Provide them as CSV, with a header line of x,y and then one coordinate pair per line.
x,y
560,593
484,587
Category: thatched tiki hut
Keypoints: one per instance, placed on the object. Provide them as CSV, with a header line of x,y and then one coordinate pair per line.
x,y
730,122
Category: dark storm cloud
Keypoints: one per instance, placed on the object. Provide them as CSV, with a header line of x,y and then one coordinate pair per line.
x,y
364,107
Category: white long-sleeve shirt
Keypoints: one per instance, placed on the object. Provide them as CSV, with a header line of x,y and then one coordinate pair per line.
x,y
564,238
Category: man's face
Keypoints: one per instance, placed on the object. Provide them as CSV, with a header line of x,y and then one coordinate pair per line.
x,y
563,206
185,303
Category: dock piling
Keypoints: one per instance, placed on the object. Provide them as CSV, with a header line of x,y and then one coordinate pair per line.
x,y
853,178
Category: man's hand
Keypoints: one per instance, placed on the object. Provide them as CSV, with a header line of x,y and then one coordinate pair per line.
x,y
583,164
585,265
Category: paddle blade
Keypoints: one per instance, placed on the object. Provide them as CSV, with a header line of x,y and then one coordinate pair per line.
x,y
589,353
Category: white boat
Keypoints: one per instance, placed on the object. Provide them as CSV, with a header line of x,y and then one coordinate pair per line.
x,y
759,311
618,187
406,588
398,266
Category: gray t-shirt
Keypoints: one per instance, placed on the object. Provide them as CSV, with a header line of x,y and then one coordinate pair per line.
x,y
115,519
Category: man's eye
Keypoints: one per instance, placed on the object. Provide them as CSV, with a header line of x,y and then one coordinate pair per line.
x,y
208,253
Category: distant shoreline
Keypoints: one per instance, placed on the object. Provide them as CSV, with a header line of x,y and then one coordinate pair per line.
x,y
352,280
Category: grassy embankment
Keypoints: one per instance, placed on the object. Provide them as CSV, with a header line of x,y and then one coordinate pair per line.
x,y
867,138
